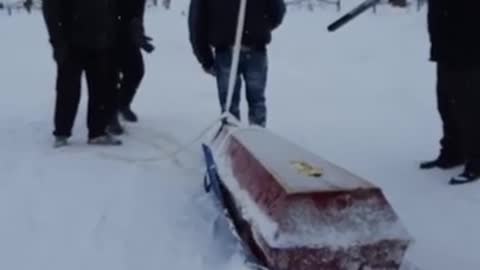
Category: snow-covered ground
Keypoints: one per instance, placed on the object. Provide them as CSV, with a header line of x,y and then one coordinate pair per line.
x,y
362,97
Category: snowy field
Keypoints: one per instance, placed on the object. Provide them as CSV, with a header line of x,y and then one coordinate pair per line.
x,y
362,97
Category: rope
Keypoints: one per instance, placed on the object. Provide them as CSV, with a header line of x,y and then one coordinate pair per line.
x,y
172,155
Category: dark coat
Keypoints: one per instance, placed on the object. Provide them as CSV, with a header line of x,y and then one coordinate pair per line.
x,y
212,24
454,28
132,20
91,24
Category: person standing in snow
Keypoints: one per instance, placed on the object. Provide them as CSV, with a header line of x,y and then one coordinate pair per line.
x,y
82,34
130,64
453,28
212,29
28,4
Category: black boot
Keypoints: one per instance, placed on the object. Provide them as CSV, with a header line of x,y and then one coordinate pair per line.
x,y
467,176
128,114
114,126
444,161
105,140
60,141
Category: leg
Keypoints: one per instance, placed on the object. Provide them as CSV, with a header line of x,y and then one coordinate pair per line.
x,y
114,126
255,73
223,61
100,72
133,70
468,96
446,100
471,116
69,74
451,153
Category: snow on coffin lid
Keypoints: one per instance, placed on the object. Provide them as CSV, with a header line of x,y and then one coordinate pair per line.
x,y
308,213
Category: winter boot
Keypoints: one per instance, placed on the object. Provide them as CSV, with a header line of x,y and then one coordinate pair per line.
x,y
444,161
60,141
465,177
106,139
114,127
128,114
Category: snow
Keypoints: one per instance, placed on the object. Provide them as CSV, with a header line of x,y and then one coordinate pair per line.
x,y
362,97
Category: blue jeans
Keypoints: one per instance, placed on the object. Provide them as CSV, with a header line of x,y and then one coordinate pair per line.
x,y
252,68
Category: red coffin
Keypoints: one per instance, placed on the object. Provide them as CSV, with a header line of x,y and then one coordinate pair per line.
x,y
303,212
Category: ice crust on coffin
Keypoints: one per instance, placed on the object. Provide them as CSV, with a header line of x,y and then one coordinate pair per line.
x,y
362,224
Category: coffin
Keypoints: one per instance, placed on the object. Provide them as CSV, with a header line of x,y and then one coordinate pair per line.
x,y
298,211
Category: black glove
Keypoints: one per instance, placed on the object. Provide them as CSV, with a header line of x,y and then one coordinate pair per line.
x,y
137,33
147,45
147,38
210,70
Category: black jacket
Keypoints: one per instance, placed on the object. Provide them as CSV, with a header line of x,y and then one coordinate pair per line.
x,y
454,28
212,23
132,17
131,9
91,24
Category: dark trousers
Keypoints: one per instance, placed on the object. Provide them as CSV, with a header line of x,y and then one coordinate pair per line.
x,y
98,69
458,94
253,69
131,70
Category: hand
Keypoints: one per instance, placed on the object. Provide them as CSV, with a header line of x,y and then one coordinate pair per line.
x,y
210,70
147,38
147,45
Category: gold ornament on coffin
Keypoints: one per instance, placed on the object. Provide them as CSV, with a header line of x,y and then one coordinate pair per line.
x,y
307,169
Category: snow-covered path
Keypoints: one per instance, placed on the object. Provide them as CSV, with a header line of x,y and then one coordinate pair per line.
x,y
362,97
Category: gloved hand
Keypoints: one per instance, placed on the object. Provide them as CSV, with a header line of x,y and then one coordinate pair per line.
x,y
210,70
147,45
147,38
137,33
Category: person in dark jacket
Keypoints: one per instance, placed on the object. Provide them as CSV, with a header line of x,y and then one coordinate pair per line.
x,y
130,65
455,48
212,28
82,34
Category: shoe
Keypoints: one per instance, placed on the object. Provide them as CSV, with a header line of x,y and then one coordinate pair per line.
x,y
60,141
128,115
104,140
114,127
467,176
441,164
443,161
